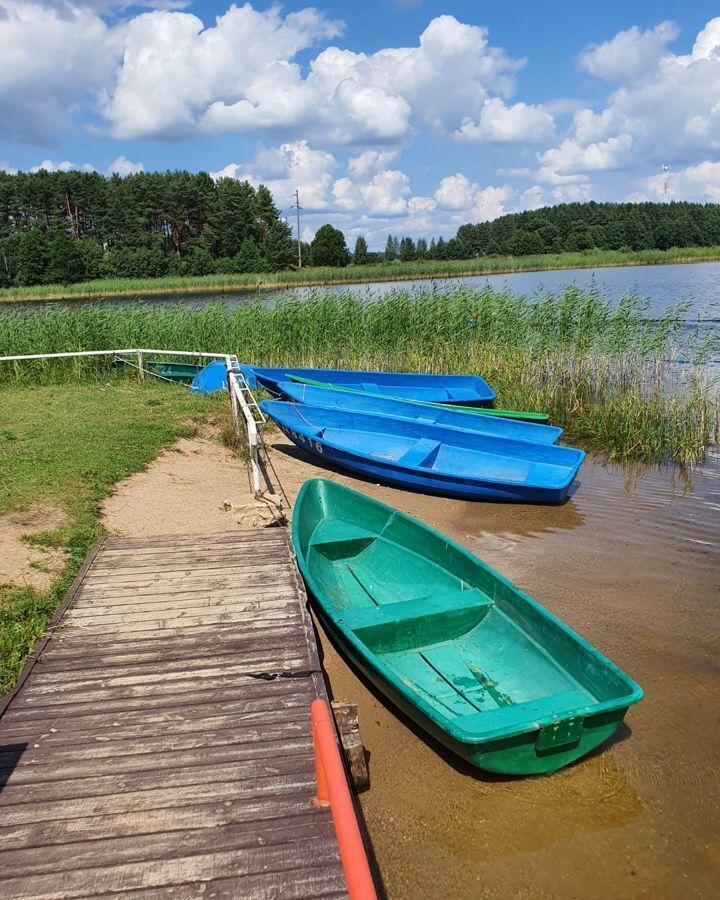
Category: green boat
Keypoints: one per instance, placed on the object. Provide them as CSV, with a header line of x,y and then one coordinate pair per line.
x,y
525,416
181,372
476,663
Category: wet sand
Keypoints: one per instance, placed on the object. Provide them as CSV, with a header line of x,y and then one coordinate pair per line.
x,y
632,562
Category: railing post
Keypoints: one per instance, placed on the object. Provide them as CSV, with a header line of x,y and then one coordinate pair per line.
x,y
140,366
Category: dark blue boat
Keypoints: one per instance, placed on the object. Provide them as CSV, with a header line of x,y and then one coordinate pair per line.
x,y
357,401
468,390
436,459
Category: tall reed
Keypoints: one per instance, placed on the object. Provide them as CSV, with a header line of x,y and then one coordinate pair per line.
x,y
615,379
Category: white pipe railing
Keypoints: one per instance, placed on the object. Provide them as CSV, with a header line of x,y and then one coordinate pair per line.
x,y
238,401
134,351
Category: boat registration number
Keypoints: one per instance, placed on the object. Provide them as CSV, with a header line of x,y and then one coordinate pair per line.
x,y
300,438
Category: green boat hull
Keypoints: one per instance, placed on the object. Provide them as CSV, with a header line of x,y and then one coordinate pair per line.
x,y
461,651
473,410
183,373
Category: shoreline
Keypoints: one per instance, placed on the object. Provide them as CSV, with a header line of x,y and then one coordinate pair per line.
x,y
256,287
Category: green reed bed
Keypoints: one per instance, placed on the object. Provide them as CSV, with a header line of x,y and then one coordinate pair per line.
x,y
616,380
385,271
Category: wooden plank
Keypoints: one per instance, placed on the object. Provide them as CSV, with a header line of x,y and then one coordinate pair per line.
x,y
107,594
273,600
117,726
176,624
162,744
22,725
200,867
242,537
151,821
234,733
136,792
304,884
71,639
161,845
181,700
245,542
221,568
72,663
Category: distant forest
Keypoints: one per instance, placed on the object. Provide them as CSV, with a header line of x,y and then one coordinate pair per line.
x,y
64,227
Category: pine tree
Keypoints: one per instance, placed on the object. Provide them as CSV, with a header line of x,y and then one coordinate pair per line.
x,y
360,255
407,249
279,248
249,258
422,248
65,262
32,259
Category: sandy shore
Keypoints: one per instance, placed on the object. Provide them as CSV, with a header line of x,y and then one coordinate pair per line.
x,y
631,561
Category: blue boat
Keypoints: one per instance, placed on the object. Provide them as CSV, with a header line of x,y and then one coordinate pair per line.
x,y
357,401
211,378
468,390
452,462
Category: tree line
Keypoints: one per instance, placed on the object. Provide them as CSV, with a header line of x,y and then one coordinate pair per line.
x,y
62,227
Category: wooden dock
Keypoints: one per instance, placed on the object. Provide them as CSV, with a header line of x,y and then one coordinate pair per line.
x,y
159,742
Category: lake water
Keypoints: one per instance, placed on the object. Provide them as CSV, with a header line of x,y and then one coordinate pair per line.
x,y
662,286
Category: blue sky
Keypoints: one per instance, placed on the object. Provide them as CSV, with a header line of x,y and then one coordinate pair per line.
x,y
403,117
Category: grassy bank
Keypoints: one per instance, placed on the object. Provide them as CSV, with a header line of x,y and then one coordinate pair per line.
x,y
391,271
66,447
606,375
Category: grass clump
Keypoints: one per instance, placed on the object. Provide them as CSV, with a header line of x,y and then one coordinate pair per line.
x,y
66,448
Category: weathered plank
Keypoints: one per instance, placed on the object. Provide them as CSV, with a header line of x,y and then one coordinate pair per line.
x,y
160,745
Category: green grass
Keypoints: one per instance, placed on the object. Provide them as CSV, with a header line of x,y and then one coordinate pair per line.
x,y
66,447
390,271
603,373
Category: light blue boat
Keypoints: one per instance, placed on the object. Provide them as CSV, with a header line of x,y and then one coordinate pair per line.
x,y
452,462
357,401
462,390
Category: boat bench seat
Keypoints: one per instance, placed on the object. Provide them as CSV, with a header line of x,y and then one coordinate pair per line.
x,y
408,624
422,453
336,539
533,713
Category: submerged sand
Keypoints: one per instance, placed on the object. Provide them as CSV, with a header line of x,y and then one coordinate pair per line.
x,y
632,562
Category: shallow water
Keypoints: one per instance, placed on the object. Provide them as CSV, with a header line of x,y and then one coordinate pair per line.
x,y
632,562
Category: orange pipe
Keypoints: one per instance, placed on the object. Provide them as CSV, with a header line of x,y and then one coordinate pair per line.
x,y
332,789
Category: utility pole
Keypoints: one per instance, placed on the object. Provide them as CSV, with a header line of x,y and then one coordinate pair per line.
x,y
296,206
666,180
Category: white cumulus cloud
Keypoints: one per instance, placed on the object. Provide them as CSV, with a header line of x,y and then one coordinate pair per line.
x,y
123,166
666,106
50,60
501,124
629,54
178,77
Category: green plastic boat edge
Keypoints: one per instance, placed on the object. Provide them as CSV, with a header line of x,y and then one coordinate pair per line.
x,y
542,745
474,410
